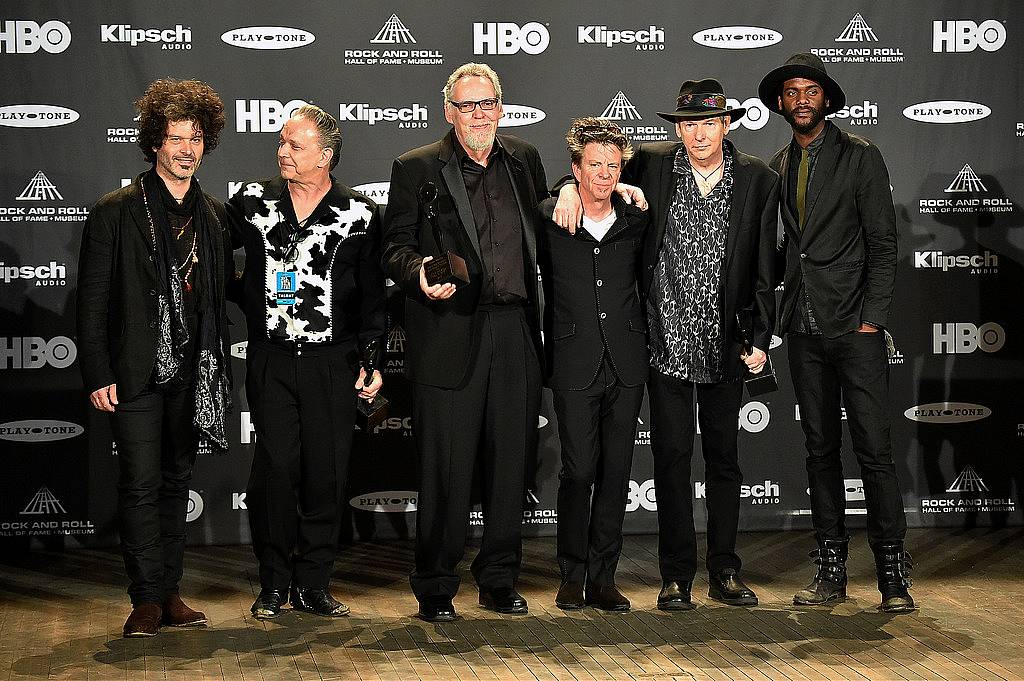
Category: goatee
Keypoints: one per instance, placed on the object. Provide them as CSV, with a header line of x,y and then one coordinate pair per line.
x,y
817,116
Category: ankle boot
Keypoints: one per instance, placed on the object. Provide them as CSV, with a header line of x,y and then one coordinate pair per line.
x,y
893,566
829,583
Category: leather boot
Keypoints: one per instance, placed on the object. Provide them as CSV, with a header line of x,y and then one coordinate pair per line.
x,y
177,614
829,583
892,566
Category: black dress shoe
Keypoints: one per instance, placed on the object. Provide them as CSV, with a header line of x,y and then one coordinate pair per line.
x,y
268,604
437,609
570,596
317,601
504,600
606,597
675,596
726,587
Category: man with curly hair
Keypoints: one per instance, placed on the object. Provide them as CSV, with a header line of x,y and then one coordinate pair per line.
x,y
152,338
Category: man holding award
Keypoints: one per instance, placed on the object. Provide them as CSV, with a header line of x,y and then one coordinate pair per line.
x,y
707,269
460,239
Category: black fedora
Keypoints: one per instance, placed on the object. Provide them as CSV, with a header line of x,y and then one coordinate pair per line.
x,y
800,65
699,99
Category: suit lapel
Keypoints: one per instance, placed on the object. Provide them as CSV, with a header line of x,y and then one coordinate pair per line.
x,y
740,187
666,185
451,173
520,186
137,209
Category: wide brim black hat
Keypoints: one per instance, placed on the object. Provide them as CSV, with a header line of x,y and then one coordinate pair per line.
x,y
700,99
801,65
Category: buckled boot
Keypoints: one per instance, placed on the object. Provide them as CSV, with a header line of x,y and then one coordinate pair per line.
x,y
829,583
893,566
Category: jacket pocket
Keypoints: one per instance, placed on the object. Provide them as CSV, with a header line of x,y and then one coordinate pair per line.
x,y
562,330
638,325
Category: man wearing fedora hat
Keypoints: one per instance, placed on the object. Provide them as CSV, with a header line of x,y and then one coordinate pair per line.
x,y
707,259
840,252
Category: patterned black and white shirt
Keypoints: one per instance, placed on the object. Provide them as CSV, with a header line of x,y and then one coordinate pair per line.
x,y
334,256
684,305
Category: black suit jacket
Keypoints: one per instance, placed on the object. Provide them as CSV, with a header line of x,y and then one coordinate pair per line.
x,y
441,333
748,274
117,290
592,301
846,255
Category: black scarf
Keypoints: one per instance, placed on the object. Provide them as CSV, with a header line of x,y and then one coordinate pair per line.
x,y
209,380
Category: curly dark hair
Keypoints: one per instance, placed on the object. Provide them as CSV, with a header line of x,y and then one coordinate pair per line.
x,y
168,101
583,131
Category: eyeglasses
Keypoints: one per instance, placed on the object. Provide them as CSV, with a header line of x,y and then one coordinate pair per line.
x,y
488,104
176,141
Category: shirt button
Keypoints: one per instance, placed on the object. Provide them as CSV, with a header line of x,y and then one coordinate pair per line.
x,y
152,325
596,251
152,292
603,315
803,255
600,283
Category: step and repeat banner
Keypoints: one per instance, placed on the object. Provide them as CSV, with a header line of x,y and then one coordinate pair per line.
x,y
936,85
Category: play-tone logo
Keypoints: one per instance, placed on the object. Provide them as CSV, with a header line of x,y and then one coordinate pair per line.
x,y
509,38
39,430
517,115
403,501
28,37
948,412
737,37
967,36
947,111
375,191
36,115
240,350
268,37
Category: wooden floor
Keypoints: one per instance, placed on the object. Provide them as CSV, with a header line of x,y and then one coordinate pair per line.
x,y
61,617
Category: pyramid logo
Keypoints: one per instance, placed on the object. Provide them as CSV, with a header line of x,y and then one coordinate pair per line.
x,y
393,31
40,188
857,31
966,181
968,481
43,503
396,339
620,109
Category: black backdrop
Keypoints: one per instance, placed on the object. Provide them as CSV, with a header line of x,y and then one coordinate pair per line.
x,y
936,85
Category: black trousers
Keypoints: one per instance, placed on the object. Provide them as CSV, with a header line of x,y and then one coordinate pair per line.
x,y
852,370
156,449
673,422
596,427
303,405
491,420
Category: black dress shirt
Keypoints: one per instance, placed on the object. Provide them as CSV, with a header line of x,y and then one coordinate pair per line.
x,y
803,320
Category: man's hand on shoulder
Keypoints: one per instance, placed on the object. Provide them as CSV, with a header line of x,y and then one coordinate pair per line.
x,y
569,209
632,195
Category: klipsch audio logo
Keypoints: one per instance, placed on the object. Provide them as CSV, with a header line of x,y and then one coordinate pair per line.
x,y
386,502
621,109
642,39
36,115
268,37
965,337
393,32
28,37
52,274
967,493
756,116
509,38
865,113
986,262
858,31
737,37
966,193
947,111
766,492
39,430
177,38
516,115
947,412
967,36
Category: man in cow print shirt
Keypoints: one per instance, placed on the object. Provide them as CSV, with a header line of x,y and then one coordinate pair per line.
x,y
313,296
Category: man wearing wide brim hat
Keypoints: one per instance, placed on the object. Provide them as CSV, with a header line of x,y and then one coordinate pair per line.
x,y
840,252
700,271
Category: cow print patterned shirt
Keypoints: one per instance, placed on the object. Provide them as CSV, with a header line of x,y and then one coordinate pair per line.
x,y
684,305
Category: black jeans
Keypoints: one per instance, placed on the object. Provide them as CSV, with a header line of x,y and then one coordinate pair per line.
x,y
673,422
853,368
156,449
596,427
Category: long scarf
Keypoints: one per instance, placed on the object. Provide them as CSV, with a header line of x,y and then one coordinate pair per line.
x,y
210,382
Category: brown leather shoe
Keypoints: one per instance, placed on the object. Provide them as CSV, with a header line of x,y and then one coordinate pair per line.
x,y
177,614
144,621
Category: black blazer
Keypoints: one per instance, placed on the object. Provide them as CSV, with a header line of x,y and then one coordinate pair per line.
x,y
846,255
749,268
441,333
117,290
592,300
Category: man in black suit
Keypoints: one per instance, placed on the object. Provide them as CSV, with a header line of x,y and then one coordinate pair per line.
x,y
152,337
707,260
597,362
840,251
473,352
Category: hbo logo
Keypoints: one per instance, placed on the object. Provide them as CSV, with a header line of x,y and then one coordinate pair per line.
x,y
34,353
964,337
26,37
509,38
263,115
756,116
641,496
966,36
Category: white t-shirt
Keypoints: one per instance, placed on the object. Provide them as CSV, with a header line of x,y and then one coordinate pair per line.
x,y
598,228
